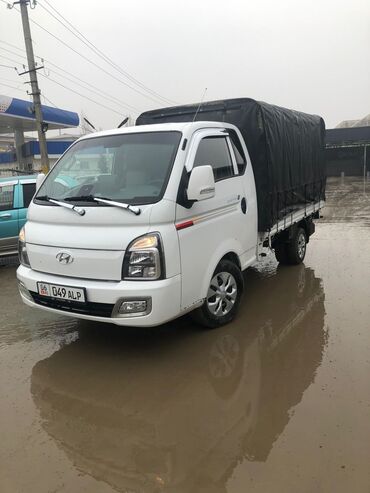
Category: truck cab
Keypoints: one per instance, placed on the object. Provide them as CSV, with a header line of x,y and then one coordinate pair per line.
x,y
139,235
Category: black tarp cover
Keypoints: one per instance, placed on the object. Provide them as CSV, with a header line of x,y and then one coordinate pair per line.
x,y
286,148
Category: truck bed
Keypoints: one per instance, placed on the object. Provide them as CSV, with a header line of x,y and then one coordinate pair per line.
x,y
293,217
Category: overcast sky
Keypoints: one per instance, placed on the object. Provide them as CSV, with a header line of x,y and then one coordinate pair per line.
x,y
312,55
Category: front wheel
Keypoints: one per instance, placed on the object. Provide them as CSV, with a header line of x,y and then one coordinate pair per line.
x,y
223,296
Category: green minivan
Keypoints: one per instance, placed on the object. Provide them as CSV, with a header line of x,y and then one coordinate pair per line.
x,y
16,193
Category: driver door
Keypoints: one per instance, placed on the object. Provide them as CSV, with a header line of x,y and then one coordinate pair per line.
x,y
213,226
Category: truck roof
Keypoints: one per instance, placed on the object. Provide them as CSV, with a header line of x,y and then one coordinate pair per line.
x,y
159,127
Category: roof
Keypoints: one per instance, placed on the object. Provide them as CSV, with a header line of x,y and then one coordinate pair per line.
x,y
54,147
160,127
221,107
347,136
362,122
18,178
17,114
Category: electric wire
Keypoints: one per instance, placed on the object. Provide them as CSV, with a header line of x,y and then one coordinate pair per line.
x,y
72,90
48,100
10,60
13,46
12,87
81,95
13,53
10,80
112,99
95,64
81,37
109,97
87,59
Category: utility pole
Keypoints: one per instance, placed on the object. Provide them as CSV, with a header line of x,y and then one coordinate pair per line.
x,y
41,128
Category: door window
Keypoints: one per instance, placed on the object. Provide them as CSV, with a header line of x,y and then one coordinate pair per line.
x,y
238,151
6,197
214,151
29,190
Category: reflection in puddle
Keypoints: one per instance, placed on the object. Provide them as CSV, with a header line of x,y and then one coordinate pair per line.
x,y
177,408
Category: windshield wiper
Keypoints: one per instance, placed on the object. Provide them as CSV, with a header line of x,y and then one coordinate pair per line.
x,y
79,210
80,198
104,200
89,198
122,205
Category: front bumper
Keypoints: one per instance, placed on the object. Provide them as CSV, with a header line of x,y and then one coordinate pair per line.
x,y
103,296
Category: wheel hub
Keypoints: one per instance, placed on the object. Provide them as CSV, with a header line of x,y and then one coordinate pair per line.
x,y
301,245
222,294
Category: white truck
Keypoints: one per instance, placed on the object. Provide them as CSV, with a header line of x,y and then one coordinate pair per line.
x,y
140,225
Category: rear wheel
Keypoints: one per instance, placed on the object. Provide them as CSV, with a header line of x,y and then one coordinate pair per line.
x,y
292,252
296,248
280,253
223,296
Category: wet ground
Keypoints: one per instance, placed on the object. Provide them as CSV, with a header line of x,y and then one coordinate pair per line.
x,y
279,401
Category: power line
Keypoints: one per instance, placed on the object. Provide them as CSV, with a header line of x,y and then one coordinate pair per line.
x,y
10,80
154,97
107,96
112,100
99,53
12,87
81,95
13,53
72,90
13,46
48,100
17,88
10,60
93,63
84,57
98,92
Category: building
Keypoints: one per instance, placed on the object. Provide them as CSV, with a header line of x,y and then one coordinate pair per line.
x,y
348,150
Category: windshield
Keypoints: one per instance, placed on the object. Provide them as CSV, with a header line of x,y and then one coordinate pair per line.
x,y
129,168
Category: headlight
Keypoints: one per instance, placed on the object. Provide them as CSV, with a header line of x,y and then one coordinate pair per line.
x,y
22,249
22,235
144,259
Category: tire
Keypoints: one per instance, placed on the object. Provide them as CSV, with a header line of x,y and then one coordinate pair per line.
x,y
281,253
292,252
296,248
221,305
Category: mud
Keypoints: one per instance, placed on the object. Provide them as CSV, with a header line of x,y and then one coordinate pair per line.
x,y
278,401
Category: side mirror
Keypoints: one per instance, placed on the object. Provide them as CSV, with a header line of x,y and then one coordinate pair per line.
x,y
39,180
201,183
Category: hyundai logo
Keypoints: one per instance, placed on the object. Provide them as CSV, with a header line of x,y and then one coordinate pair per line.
x,y
64,258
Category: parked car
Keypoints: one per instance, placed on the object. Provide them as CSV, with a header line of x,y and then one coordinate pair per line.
x,y
16,193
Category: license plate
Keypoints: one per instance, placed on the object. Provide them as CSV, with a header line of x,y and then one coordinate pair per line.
x,y
61,292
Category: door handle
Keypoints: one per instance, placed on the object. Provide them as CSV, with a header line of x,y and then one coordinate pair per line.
x,y
5,216
243,205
